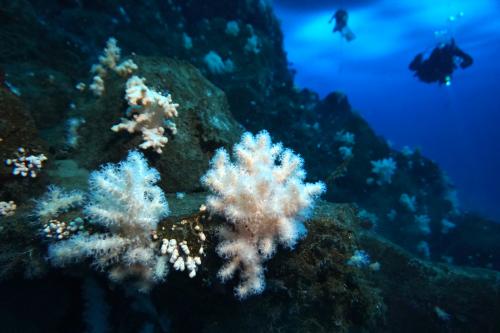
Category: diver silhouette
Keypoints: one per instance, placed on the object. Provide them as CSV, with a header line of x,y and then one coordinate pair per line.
x,y
443,61
341,17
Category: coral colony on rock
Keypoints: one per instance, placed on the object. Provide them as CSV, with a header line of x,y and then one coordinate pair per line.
x,y
159,184
263,200
126,203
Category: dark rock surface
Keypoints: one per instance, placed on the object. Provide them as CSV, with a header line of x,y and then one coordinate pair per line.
x,y
308,289
416,291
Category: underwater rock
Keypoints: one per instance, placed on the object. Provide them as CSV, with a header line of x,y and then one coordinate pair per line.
x,y
47,308
46,93
313,275
421,296
22,252
68,174
473,242
27,37
204,123
403,291
310,288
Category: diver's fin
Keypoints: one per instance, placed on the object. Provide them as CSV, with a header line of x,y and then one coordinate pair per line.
x,y
348,34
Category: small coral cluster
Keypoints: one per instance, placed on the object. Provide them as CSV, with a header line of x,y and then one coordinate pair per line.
x,y
410,202
252,45
423,223
348,140
26,165
182,251
125,206
345,137
232,28
447,225
424,249
109,61
151,113
345,152
72,126
384,169
368,217
55,229
216,65
180,256
264,198
7,208
359,259
51,205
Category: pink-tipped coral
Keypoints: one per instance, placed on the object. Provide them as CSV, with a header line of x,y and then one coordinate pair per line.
x,y
264,198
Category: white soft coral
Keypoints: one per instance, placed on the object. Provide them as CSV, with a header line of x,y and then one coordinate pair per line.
x,y
151,113
109,61
264,197
127,205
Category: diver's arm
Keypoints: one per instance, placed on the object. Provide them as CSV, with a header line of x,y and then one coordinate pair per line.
x,y
333,17
348,34
416,62
466,59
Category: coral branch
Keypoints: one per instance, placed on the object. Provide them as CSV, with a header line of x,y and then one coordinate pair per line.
x,y
150,112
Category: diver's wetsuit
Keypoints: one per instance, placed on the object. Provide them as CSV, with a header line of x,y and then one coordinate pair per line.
x,y
341,17
441,63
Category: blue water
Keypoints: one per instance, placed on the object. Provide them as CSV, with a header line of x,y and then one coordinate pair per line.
x,y
456,125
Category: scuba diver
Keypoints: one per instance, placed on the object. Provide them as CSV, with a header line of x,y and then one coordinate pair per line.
x,y
443,61
341,17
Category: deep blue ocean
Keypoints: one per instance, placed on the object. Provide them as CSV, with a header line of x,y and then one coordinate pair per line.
x,y
454,125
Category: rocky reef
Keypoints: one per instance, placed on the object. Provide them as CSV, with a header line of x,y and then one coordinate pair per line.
x,y
379,255
311,288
